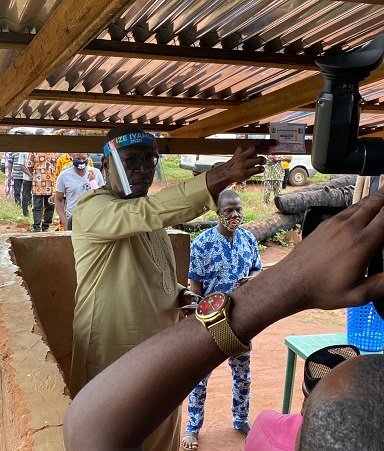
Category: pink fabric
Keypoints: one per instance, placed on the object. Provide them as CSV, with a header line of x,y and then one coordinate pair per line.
x,y
273,431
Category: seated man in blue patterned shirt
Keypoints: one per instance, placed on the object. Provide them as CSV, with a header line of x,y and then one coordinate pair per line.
x,y
222,258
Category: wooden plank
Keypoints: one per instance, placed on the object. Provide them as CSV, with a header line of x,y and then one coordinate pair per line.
x,y
80,125
51,143
367,108
124,49
372,109
31,380
248,58
210,146
96,125
119,99
373,134
10,40
94,144
72,25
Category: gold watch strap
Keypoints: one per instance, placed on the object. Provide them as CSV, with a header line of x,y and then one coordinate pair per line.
x,y
226,339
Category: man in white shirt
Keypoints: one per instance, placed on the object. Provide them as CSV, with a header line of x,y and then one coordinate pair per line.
x,y
72,183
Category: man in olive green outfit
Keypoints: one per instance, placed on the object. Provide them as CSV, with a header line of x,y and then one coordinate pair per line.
x,y
126,278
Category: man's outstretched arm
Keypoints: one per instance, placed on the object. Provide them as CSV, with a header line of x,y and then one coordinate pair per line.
x,y
124,403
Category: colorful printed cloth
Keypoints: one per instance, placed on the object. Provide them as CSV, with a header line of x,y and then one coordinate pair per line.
x,y
42,168
273,177
273,170
241,384
219,263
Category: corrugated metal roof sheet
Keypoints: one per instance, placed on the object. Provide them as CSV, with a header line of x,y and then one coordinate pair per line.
x,y
283,27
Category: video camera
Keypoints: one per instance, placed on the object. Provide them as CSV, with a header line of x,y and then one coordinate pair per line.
x,y
336,147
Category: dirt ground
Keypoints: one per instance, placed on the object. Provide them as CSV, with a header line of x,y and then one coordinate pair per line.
x,y
268,365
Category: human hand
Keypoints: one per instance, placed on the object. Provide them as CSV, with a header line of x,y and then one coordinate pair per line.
x,y
188,301
244,163
328,269
51,199
91,175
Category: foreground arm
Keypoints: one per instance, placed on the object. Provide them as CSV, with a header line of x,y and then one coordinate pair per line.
x,y
125,402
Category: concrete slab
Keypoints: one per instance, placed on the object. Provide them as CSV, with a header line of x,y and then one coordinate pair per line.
x,y
32,386
37,287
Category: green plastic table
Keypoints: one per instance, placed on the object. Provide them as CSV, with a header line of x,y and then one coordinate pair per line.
x,y
303,346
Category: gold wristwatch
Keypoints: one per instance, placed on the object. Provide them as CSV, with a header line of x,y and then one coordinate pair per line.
x,y
212,311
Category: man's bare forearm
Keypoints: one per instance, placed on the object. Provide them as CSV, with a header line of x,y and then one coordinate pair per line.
x,y
125,402
150,370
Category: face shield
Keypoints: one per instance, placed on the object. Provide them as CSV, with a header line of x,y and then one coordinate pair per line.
x,y
118,178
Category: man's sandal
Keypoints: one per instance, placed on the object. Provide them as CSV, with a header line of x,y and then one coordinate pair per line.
x,y
190,441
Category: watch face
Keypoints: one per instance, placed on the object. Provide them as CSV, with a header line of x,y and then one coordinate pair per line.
x,y
211,304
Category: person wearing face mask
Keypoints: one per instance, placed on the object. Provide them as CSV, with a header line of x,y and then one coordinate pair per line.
x,y
63,161
127,288
223,258
72,183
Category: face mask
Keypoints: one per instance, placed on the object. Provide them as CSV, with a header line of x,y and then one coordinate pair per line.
x,y
80,164
230,224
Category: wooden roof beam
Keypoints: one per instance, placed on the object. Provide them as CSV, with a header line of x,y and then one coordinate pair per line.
x,y
72,25
367,108
94,144
186,54
124,49
78,124
373,134
288,98
97,125
119,99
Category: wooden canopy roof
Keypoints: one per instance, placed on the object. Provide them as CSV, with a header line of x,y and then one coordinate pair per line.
x,y
188,69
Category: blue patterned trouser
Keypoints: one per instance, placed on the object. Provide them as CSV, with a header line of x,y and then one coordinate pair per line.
x,y
241,382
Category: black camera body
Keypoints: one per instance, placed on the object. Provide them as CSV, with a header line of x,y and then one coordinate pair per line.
x,y
336,146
